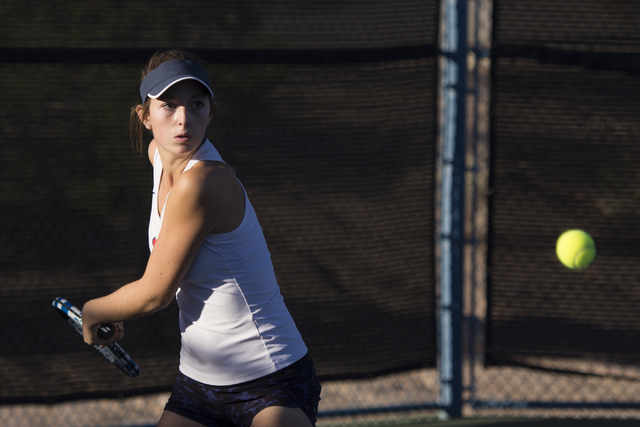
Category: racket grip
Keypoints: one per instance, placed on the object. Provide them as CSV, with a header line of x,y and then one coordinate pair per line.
x,y
106,331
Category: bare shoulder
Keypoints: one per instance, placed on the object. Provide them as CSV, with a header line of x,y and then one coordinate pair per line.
x,y
209,178
212,189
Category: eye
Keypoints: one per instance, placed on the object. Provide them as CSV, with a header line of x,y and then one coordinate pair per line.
x,y
168,105
198,104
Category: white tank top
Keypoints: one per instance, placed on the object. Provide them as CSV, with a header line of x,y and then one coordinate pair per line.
x,y
234,324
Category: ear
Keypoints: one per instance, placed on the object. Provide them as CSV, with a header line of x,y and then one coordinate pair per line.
x,y
144,118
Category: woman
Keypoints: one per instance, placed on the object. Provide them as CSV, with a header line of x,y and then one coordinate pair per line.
x,y
242,362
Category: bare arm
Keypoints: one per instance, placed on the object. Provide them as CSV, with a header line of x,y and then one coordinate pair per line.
x,y
198,205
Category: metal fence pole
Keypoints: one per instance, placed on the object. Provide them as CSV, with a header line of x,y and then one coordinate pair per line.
x,y
454,92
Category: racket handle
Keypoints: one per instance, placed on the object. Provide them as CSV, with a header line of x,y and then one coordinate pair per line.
x,y
106,331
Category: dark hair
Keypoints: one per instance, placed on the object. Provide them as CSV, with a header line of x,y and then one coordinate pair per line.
x,y
136,127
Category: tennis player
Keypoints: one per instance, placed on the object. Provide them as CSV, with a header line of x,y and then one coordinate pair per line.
x,y
242,361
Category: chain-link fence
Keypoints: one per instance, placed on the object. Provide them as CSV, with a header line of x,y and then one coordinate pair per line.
x,y
544,340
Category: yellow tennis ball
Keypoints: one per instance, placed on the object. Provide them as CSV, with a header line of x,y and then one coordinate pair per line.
x,y
575,249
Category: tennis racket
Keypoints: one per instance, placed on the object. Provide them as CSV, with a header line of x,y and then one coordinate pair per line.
x,y
113,353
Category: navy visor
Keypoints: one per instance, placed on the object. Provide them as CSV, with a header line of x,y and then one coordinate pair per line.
x,y
169,73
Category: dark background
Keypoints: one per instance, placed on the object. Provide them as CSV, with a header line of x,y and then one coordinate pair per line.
x,y
327,114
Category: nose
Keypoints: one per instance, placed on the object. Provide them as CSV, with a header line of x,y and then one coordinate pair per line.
x,y
182,115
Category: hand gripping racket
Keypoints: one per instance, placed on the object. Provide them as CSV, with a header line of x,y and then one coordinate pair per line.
x,y
113,353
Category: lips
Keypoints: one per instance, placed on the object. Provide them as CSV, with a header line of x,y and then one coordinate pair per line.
x,y
183,138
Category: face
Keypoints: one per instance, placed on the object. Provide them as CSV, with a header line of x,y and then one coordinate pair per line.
x,y
179,117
